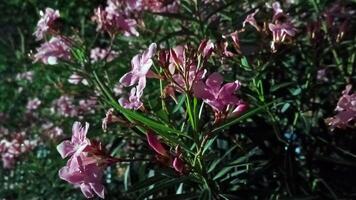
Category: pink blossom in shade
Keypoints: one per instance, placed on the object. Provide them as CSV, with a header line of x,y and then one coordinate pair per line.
x,y
239,109
98,54
52,51
28,76
133,101
118,89
78,142
206,48
54,133
169,91
83,172
280,31
322,75
87,105
113,20
161,6
182,83
277,9
46,22
75,79
177,58
141,64
250,19
64,106
222,48
12,149
218,96
155,144
33,104
178,164
346,111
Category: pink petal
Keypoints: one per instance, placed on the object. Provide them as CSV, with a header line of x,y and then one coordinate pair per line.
x,y
128,79
155,144
201,91
72,176
98,189
86,190
66,148
178,164
239,110
149,53
214,81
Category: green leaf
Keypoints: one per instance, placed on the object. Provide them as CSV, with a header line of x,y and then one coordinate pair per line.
x,y
279,86
205,195
222,173
127,177
218,161
208,144
285,107
147,182
181,100
160,186
186,196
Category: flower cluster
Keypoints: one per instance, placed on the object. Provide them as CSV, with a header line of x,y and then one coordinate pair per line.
x,y
47,23
141,64
87,161
33,104
12,149
118,16
66,107
57,48
220,97
346,108
281,26
98,54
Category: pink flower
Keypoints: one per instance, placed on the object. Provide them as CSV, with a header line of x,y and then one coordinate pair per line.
x,y
83,172
114,19
218,96
118,89
281,26
178,165
78,142
277,9
161,6
46,22
75,79
33,104
98,54
65,106
206,48
186,81
50,52
183,69
133,101
11,150
346,108
281,30
251,20
155,144
141,64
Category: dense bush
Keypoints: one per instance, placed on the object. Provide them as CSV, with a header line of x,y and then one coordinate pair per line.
x,y
169,99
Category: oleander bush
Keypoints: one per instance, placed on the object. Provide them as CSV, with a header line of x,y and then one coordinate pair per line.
x,y
177,99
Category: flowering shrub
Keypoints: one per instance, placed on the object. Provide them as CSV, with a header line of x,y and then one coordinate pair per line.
x,y
177,99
